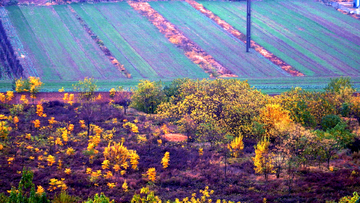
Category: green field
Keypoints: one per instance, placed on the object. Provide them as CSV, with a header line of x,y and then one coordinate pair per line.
x,y
227,50
136,43
59,46
315,39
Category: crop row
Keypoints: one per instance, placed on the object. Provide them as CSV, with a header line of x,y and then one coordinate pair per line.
x,y
299,32
225,48
148,52
57,43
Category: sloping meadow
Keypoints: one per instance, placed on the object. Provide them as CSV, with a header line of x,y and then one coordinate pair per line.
x,y
58,45
315,39
63,50
70,42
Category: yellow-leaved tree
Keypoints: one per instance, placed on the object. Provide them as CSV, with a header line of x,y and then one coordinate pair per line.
x,y
230,104
236,146
274,119
263,158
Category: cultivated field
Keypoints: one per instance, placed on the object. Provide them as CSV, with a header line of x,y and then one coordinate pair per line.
x,y
143,50
58,46
65,43
221,45
313,38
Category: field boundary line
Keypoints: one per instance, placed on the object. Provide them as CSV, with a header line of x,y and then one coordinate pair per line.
x,y
192,50
242,37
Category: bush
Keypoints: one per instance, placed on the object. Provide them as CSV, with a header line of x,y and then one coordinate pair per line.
x,y
232,104
329,121
147,96
99,199
345,109
87,89
336,85
64,197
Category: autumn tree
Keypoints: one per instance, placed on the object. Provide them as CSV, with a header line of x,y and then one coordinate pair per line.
x,y
307,107
341,86
294,149
263,158
232,104
236,146
274,119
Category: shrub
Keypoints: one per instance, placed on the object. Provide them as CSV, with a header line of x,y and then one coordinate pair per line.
x,y
329,121
64,197
345,109
147,96
232,104
336,85
99,199
87,89
31,84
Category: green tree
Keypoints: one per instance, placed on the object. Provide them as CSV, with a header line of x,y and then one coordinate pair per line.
x,y
88,109
86,88
173,89
334,139
99,199
147,96
337,85
25,192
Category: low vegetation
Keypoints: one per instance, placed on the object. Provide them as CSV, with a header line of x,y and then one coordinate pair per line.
x,y
239,145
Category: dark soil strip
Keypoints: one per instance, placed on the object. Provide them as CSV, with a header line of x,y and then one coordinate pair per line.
x,y
192,50
101,45
274,59
8,59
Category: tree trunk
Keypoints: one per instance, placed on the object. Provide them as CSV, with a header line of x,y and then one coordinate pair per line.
x,y
225,166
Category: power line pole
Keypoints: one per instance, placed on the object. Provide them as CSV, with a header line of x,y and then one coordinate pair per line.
x,y
248,25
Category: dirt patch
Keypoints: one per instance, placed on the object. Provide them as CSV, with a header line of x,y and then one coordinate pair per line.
x,y
174,137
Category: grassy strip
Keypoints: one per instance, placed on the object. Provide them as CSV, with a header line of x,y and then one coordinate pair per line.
x,y
235,14
335,52
64,69
191,50
166,59
125,54
101,63
267,85
303,40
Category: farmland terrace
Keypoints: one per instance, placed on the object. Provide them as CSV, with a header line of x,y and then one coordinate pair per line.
x,y
294,43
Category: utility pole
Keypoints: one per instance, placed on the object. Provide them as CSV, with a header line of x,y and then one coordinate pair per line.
x,y
248,25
